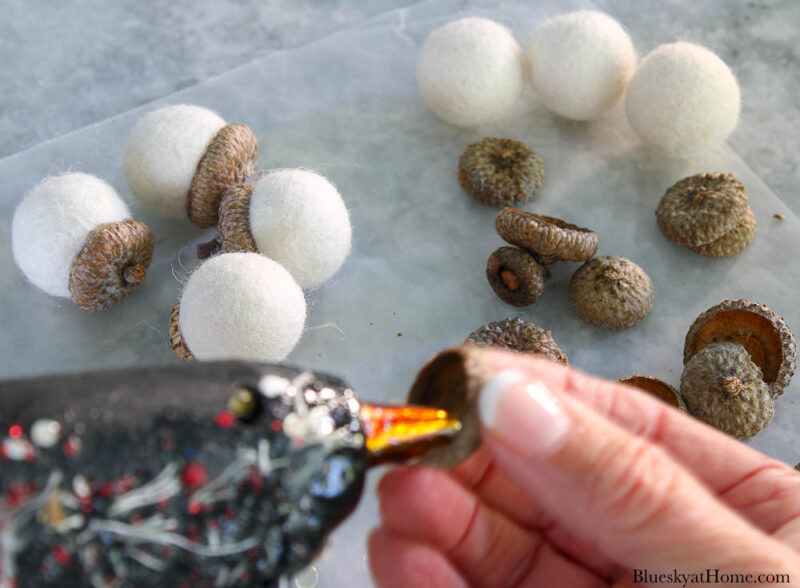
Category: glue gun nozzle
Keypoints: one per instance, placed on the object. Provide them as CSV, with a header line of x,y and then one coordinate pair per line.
x,y
399,433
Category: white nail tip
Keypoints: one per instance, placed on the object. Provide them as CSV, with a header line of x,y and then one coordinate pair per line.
x,y
491,393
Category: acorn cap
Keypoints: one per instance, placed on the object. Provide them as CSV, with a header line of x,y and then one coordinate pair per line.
x,y
723,387
519,335
701,208
231,157
611,292
452,380
498,171
233,230
732,242
111,264
515,276
549,238
762,332
175,337
657,388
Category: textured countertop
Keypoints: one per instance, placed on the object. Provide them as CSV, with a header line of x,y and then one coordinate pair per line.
x,y
69,64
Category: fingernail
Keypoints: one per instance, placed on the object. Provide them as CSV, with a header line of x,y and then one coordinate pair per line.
x,y
527,415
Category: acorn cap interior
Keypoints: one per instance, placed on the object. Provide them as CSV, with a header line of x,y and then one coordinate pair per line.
x,y
752,331
452,381
657,388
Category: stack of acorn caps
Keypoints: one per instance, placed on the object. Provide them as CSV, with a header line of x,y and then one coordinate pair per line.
x,y
709,213
738,357
608,291
517,274
277,233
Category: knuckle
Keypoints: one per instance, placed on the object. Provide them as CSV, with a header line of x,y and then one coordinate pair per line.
x,y
633,484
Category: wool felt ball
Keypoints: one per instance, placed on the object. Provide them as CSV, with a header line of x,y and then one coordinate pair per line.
x,y
241,306
682,99
162,154
181,159
580,63
298,218
470,71
70,237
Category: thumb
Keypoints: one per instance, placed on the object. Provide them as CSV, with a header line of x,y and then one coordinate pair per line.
x,y
615,489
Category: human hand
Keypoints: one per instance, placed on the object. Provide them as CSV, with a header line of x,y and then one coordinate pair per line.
x,y
578,482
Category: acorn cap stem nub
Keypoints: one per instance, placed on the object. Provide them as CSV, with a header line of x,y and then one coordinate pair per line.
x,y
110,265
134,274
510,279
732,386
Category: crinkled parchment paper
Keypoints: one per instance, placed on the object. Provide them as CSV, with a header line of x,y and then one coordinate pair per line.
x,y
348,106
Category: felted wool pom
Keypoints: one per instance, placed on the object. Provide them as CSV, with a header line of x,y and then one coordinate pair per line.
x,y
580,63
293,216
181,159
470,71
241,306
70,237
683,99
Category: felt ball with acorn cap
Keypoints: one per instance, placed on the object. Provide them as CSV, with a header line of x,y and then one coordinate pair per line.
x,y
238,306
293,216
72,237
181,159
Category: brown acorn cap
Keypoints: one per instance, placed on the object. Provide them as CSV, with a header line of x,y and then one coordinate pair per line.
x,y
611,292
701,208
516,276
452,381
762,332
657,388
111,264
732,242
498,171
724,388
233,231
231,157
234,219
549,238
518,335
175,337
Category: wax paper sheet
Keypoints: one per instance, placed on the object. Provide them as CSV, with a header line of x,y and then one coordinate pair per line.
x,y
348,106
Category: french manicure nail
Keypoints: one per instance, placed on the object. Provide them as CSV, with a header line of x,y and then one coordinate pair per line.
x,y
527,415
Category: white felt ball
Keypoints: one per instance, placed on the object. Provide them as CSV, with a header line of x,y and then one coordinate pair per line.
x,y
683,99
241,306
470,71
580,63
298,218
162,154
52,224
